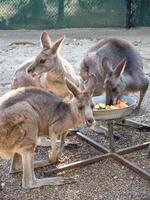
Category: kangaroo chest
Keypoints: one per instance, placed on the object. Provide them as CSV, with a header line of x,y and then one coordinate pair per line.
x,y
54,84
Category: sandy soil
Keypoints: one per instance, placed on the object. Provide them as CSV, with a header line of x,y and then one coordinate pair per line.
x,y
107,179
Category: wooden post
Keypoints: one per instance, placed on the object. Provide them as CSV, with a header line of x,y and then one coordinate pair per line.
x,y
128,14
60,12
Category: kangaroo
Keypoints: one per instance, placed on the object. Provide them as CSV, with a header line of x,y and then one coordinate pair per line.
x,y
118,68
22,122
47,70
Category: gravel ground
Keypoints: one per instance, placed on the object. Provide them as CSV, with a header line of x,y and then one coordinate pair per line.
x,y
107,180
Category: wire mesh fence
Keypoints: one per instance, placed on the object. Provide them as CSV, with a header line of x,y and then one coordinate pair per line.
x,y
140,13
73,13
94,13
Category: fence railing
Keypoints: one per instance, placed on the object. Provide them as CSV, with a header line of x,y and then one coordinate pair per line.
x,y
74,13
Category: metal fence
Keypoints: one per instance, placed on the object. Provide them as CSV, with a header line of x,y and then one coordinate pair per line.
x,y
73,13
139,12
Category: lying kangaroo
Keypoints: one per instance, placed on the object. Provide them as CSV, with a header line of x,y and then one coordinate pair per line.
x,y
118,68
47,70
27,113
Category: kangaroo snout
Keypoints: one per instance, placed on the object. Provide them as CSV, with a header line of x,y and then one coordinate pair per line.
x,y
31,70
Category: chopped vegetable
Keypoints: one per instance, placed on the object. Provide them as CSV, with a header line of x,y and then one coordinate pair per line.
x,y
119,104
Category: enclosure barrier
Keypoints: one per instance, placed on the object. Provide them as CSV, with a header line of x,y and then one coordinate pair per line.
x,y
40,14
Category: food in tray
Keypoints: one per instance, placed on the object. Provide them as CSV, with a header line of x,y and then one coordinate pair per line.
x,y
119,104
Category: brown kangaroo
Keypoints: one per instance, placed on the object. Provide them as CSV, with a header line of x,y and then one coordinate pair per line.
x,y
47,70
118,68
29,113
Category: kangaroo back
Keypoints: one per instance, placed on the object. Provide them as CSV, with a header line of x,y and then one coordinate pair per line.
x,y
22,78
118,67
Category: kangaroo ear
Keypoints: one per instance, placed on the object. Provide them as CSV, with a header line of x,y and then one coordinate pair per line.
x,y
106,65
119,69
45,40
57,44
72,88
90,84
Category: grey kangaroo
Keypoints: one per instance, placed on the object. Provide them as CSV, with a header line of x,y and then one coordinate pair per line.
x,y
27,113
47,70
118,68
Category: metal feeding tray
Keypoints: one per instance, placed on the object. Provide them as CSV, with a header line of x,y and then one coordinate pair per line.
x,y
117,113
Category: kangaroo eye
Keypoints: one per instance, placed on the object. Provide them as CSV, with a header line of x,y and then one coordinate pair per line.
x,y
92,106
86,67
80,107
42,61
114,89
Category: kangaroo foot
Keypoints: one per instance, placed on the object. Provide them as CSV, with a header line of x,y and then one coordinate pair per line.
x,y
49,181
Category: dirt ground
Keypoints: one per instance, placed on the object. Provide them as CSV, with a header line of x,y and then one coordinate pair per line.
x,y
106,180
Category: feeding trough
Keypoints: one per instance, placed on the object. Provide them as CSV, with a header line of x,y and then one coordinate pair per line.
x,y
104,114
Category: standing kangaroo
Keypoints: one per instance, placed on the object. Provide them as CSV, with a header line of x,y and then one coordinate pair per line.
x,y
27,113
47,70
118,68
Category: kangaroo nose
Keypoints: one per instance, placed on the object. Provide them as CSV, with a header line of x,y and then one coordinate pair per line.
x,y
29,70
89,122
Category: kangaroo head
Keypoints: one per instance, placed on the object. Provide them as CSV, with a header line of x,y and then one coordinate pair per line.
x,y
82,104
47,59
114,84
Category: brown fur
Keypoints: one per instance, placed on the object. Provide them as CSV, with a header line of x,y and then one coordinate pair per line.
x,y
47,70
29,113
